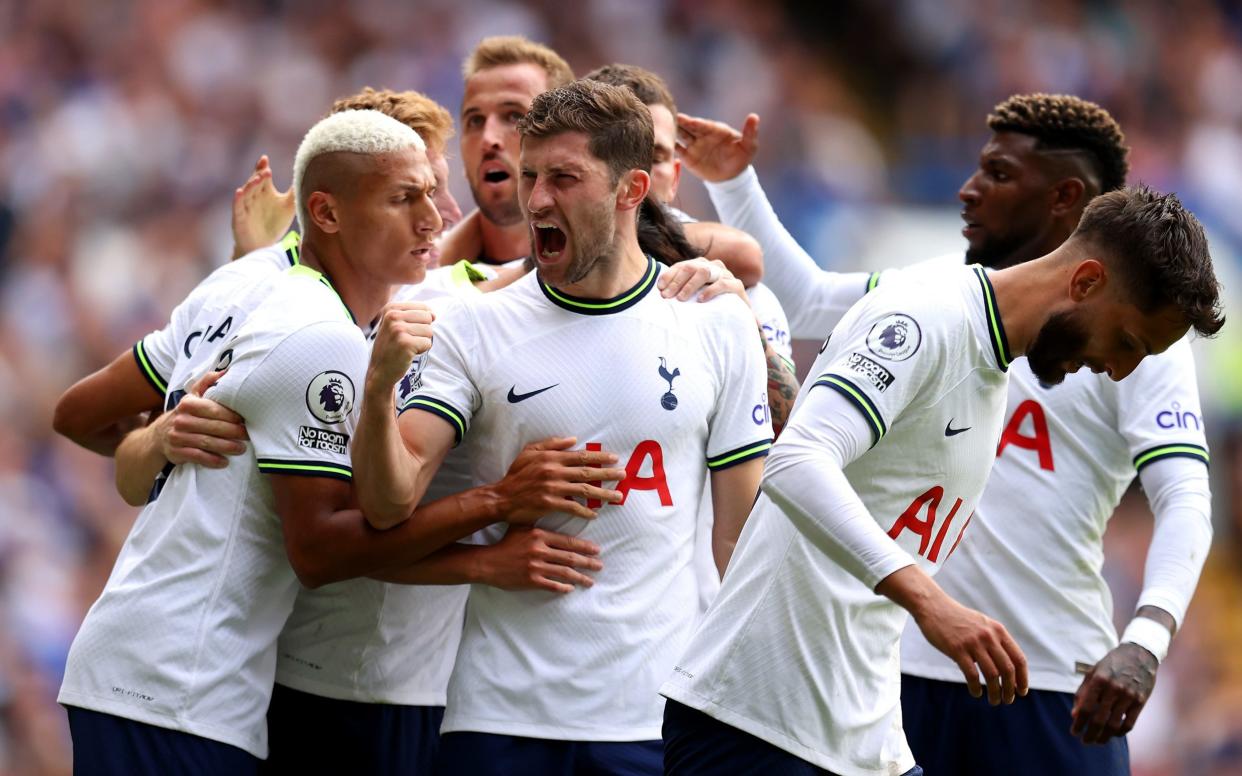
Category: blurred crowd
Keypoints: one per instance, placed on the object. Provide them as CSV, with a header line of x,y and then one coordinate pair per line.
x,y
125,126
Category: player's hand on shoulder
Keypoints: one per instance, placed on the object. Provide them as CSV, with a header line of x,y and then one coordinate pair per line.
x,y
402,333
547,476
199,430
709,278
715,151
535,559
261,214
1113,693
979,645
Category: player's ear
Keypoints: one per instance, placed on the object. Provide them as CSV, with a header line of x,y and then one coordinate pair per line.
x,y
321,207
632,189
1089,278
1068,196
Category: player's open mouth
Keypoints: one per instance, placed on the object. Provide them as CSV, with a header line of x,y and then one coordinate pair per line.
x,y
549,240
494,173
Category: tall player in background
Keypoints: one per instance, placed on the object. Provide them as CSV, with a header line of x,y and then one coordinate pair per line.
x,y
568,684
872,484
1069,450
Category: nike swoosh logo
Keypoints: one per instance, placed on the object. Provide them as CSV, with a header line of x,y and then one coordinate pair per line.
x,y
514,398
950,431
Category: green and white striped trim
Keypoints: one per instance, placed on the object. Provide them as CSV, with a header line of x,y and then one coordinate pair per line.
x,y
436,407
148,370
873,280
1171,451
859,399
604,306
292,246
303,271
996,328
739,455
306,468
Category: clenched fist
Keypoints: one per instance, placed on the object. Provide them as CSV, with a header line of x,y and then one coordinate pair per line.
x,y
403,332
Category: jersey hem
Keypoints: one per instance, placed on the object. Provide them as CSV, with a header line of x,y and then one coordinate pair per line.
x,y
356,695
247,743
464,724
1044,681
779,740
305,468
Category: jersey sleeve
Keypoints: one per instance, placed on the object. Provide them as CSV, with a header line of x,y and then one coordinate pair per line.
x,y
883,356
740,426
439,381
1158,410
814,297
157,353
772,321
298,398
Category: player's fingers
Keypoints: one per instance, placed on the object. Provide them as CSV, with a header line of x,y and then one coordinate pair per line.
x,y
1018,658
183,455
262,163
673,276
206,381
211,444
571,507
560,573
750,134
552,443
991,674
1098,721
193,406
585,490
543,582
1085,703
572,559
570,543
971,673
593,459
1132,715
590,474
218,429
1007,671
1116,724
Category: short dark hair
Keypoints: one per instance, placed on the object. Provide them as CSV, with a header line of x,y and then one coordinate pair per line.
x,y
649,86
1161,250
1066,122
616,122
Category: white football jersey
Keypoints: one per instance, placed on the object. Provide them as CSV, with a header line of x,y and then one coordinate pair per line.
x,y
795,649
668,386
184,634
374,642
1066,456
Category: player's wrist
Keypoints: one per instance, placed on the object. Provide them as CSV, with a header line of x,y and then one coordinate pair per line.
x,y
1150,635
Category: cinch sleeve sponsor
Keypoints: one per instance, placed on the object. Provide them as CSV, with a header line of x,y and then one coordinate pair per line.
x,y
1158,409
740,428
298,395
439,381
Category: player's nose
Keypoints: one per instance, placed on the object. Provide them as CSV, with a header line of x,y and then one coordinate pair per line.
x,y
969,192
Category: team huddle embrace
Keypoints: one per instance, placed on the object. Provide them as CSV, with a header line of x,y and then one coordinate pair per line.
x,y
499,493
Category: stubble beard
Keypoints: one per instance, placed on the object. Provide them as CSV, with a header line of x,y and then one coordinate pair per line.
x,y
1062,338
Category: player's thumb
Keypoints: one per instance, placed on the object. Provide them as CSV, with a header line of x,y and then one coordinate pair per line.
x,y
750,133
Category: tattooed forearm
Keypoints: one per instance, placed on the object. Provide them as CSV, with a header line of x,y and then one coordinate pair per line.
x,y
782,386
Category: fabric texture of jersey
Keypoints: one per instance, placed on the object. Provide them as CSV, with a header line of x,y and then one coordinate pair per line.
x,y
374,642
1067,455
670,388
797,651
184,634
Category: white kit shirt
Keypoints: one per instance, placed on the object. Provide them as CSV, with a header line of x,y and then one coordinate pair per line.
x,y
668,386
1066,456
374,642
184,634
798,651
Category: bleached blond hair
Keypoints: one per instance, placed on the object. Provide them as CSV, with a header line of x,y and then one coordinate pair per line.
x,y
352,131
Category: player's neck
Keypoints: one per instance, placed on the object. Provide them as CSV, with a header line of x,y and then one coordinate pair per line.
x,y
363,295
1024,295
503,243
613,276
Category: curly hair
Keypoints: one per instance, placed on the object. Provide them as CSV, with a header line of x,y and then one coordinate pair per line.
x,y
1065,122
500,50
649,86
616,122
417,111
1160,251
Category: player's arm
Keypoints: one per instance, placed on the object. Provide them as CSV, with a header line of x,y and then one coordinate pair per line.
x,y
782,386
720,155
733,494
736,249
805,477
98,411
525,558
197,430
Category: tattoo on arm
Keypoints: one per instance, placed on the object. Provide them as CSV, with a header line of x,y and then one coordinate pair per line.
x,y
782,386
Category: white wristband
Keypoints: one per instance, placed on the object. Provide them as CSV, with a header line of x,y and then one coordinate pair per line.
x,y
1150,635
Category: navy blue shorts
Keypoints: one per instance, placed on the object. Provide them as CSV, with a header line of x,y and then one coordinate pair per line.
x,y
698,745
953,734
485,754
312,734
107,745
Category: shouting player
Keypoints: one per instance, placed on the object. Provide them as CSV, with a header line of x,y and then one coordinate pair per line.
x,y
795,668
546,684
